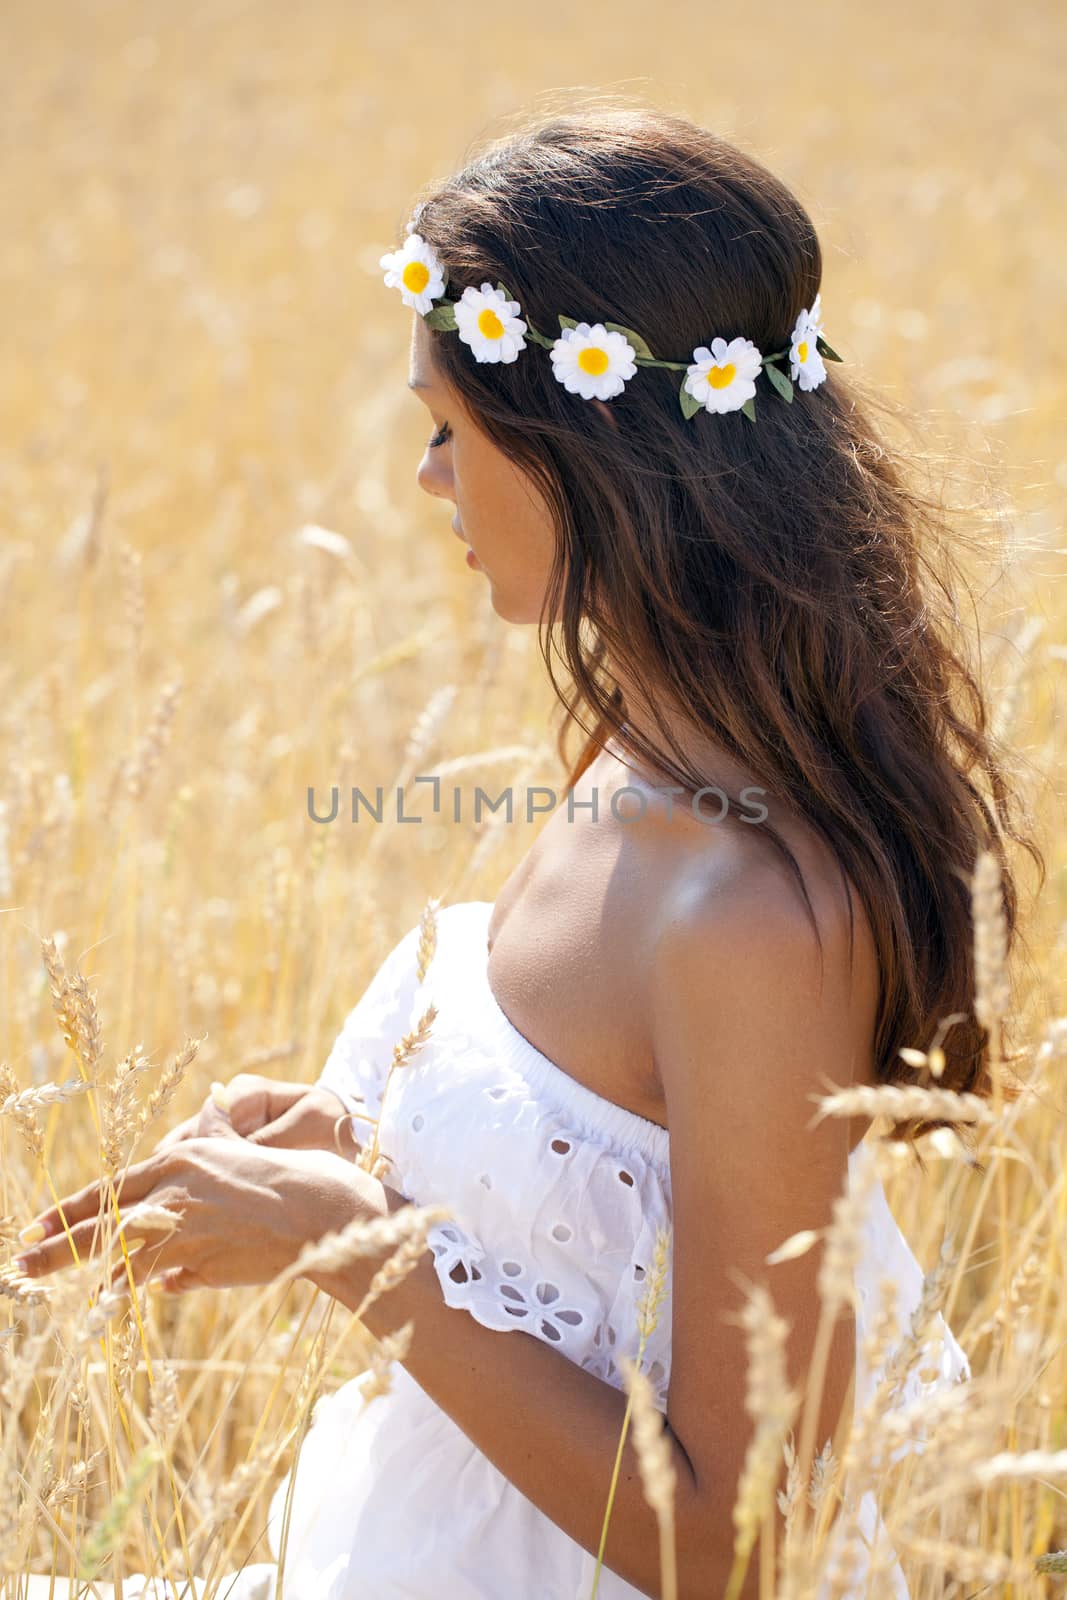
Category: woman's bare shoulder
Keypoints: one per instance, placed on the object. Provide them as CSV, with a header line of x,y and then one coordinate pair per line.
x,y
740,886
734,929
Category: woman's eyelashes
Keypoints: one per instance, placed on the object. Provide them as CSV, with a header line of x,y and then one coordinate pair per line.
x,y
443,433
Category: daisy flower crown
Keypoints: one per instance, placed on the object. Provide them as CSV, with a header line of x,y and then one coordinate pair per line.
x,y
596,360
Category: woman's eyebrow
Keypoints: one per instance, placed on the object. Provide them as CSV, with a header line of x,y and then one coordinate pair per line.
x,y
414,383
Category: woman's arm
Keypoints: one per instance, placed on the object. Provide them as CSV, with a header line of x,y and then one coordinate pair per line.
x,y
548,1425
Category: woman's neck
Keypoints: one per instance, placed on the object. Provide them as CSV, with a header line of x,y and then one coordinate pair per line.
x,y
663,728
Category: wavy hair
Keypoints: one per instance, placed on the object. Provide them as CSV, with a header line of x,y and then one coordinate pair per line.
x,y
782,586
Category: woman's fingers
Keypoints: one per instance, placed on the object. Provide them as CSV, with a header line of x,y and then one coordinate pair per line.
x,y
252,1101
176,1281
183,1130
64,1251
84,1204
144,1264
287,1132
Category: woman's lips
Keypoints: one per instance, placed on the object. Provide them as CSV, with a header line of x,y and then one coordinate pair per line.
x,y
472,559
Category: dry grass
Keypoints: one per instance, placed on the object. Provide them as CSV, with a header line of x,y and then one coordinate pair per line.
x,y
220,586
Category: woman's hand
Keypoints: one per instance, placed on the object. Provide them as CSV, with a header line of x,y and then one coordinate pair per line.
x,y
243,1212
289,1116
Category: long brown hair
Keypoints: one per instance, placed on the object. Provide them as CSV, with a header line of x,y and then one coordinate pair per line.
x,y
782,586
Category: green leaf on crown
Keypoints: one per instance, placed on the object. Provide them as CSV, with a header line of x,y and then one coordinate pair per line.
x,y
443,318
538,338
749,408
567,322
505,292
826,350
640,347
781,383
689,403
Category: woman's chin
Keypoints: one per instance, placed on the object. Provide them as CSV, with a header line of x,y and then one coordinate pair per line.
x,y
519,609
507,610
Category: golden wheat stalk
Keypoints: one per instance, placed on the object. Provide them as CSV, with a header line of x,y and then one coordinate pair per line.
x,y
649,1304
1007,1464
393,1347
74,1482
363,1237
656,1467
150,746
20,1106
14,1285
397,1267
772,1405
89,1041
992,995
901,1101
59,989
154,1218
102,1540
843,1246
408,1046
164,1414
427,938
170,1081
118,1118
47,1094
132,585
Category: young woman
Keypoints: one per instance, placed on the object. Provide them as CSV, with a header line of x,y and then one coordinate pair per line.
x,y
650,453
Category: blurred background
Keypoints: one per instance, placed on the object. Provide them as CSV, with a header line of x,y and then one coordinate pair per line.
x,y
219,581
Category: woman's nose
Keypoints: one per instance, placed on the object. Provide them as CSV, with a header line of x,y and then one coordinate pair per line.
x,y
434,477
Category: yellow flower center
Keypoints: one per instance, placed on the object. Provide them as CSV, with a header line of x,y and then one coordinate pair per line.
x,y
593,361
489,324
416,276
802,352
720,377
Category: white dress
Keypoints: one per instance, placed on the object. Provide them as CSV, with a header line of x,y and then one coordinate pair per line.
x,y
556,1195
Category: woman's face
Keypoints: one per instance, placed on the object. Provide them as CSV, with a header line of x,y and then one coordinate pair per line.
x,y
499,512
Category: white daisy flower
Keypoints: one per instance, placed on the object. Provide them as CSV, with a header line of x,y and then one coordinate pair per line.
x,y
590,361
415,270
490,323
724,377
806,365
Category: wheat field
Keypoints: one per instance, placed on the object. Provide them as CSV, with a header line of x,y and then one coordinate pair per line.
x,y
220,585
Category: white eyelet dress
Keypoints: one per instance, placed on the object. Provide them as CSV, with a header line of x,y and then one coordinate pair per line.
x,y
556,1195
